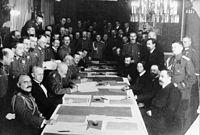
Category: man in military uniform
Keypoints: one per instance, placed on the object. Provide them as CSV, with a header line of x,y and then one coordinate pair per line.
x,y
65,48
6,57
193,55
132,49
20,65
58,82
98,48
183,75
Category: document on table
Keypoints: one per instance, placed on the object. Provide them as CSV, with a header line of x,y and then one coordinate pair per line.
x,y
122,126
66,128
77,99
87,87
119,87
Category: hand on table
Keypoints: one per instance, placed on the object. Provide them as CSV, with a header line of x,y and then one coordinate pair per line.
x,y
149,113
125,88
140,105
74,89
50,122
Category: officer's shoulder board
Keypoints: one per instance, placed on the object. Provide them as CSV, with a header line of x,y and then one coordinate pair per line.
x,y
186,58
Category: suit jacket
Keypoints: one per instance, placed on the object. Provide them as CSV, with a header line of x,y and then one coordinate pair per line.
x,y
142,84
148,95
164,107
45,104
155,58
166,102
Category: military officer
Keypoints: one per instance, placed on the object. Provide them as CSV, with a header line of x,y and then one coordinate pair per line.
x,y
132,49
183,77
20,65
6,57
58,82
182,69
98,48
191,53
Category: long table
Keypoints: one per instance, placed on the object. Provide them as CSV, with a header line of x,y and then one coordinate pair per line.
x,y
106,110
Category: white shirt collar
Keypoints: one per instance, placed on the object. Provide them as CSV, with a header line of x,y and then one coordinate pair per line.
x,y
163,86
151,51
142,73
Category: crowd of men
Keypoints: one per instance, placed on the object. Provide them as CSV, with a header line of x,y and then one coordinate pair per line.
x,y
37,67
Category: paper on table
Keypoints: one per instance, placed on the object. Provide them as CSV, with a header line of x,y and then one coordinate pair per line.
x,y
122,126
93,131
76,99
66,128
119,87
87,87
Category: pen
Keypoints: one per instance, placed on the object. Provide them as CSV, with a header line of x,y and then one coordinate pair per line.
x,y
64,131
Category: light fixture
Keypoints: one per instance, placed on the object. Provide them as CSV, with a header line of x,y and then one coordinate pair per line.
x,y
159,11
14,12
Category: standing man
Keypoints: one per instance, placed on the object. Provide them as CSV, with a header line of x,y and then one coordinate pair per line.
x,y
36,23
191,53
154,56
183,76
65,48
6,57
98,48
132,49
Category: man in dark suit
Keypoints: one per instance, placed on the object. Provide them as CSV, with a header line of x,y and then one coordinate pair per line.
x,y
161,114
155,56
40,93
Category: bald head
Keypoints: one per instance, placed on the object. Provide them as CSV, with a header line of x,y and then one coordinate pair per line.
x,y
152,34
62,69
68,60
38,74
6,56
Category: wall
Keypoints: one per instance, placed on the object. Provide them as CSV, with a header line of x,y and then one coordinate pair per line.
x,y
110,10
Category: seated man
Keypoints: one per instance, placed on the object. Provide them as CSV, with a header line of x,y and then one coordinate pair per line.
x,y
129,70
45,103
73,70
147,97
25,108
58,82
143,82
161,113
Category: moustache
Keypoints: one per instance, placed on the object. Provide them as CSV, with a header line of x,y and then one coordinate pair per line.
x,y
29,87
160,81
